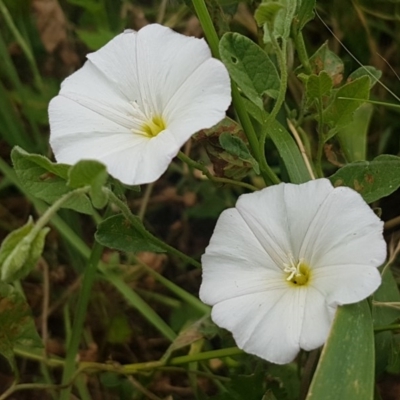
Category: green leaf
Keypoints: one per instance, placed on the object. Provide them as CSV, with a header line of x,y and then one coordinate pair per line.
x,y
46,180
373,180
304,13
353,136
325,60
20,251
117,233
284,143
249,66
383,314
17,325
346,367
366,70
236,146
90,173
282,21
267,12
95,39
340,112
318,86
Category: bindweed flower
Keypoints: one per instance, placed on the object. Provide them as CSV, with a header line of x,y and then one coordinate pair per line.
x,y
136,101
284,258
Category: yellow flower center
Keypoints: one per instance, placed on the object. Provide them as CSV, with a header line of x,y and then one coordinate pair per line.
x,y
153,127
297,274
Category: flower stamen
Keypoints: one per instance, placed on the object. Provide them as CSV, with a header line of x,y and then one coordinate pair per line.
x,y
298,273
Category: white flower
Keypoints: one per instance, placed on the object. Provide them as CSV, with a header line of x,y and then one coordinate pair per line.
x,y
136,101
284,258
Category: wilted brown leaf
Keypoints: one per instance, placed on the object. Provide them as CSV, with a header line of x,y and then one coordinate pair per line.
x,y
52,26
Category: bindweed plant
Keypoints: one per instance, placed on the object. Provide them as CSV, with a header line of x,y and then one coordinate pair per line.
x,y
297,298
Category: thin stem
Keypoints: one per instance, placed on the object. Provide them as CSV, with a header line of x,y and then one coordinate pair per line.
x,y
140,228
302,52
321,142
184,158
22,43
207,25
81,308
213,41
281,56
393,327
301,147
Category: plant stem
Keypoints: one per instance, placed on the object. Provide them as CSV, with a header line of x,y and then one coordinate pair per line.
x,y
81,308
213,41
140,228
302,52
281,55
393,327
184,158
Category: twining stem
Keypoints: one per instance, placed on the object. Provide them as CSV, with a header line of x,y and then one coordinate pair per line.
x,y
213,41
80,314
183,157
140,228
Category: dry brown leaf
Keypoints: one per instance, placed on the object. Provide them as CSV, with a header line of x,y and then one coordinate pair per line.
x,y
52,26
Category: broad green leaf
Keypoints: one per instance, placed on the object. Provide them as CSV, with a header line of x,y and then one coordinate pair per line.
x,y
46,180
325,60
318,86
372,179
249,66
385,314
90,173
284,143
20,251
282,21
346,366
366,70
353,137
340,112
117,233
304,13
17,325
236,146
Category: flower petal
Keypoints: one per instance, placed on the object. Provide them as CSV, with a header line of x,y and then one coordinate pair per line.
x,y
266,215
344,231
133,159
317,320
346,284
265,324
237,260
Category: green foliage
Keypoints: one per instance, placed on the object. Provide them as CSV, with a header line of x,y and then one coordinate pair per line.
x,y
279,21
346,367
250,67
353,136
93,174
285,144
20,251
46,180
346,101
117,233
17,325
373,180
235,146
